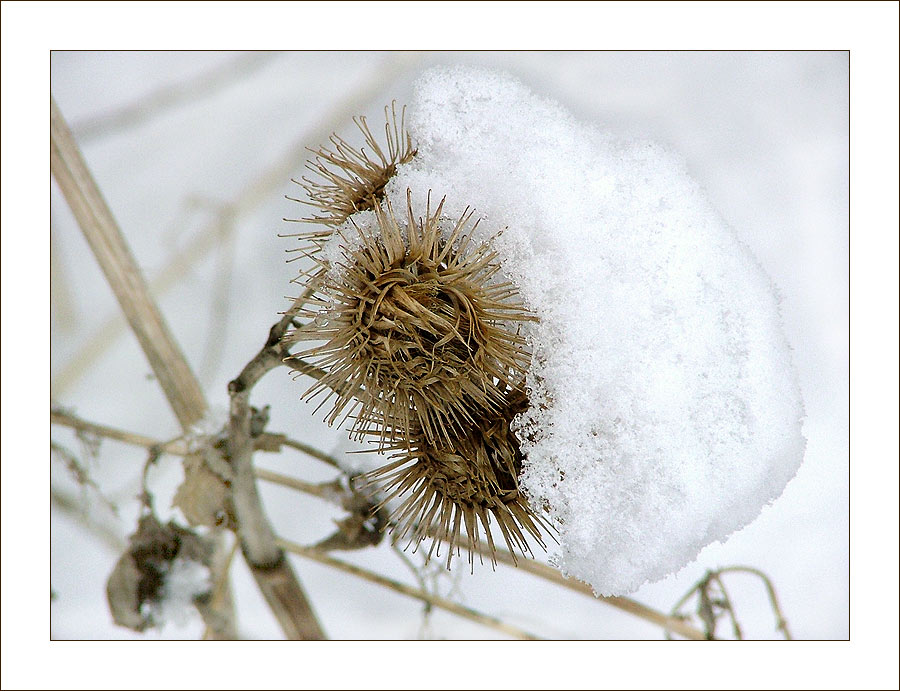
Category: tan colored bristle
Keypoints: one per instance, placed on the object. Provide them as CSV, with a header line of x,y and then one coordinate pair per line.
x,y
350,179
417,333
422,348
453,493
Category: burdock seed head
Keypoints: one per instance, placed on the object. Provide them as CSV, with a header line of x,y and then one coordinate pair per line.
x,y
451,493
418,333
350,179
418,340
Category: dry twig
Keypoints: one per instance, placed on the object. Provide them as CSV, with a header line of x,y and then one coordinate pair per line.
x,y
166,97
272,571
324,491
713,602
434,600
122,273
267,441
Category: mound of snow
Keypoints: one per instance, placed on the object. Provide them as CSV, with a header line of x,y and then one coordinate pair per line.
x,y
665,411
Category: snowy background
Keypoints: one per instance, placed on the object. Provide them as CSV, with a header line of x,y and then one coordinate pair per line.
x,y
201,169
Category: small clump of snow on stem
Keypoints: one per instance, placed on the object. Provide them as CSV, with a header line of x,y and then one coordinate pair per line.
x,y
183,582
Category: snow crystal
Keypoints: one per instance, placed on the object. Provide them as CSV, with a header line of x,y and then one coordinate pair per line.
x,y
665,412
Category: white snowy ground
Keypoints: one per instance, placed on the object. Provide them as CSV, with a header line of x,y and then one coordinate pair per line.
x,y
764,133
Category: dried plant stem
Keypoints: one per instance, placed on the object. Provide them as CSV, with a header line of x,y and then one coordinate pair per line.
x,y
434,600
536,568
221,597
270,568
267,441
307,449
122,273
329,491
59,417
626,604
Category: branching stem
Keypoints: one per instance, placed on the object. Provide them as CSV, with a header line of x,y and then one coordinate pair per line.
x,y
324,491
270,568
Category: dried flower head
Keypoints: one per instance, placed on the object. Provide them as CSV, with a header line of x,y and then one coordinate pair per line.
x,y
418,333
349,179
452,492
420,343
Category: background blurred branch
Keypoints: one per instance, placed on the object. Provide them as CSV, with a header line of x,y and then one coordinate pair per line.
x,y
435,600
166,97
